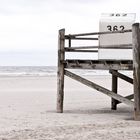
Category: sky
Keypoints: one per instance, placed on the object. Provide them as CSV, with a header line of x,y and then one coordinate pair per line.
x,y
29,28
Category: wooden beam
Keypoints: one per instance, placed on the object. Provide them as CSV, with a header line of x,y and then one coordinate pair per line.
x,y
99,33
136,68
98,88
99,64
79,38
60,72
114,89
121,46
82,47
122,76
88,51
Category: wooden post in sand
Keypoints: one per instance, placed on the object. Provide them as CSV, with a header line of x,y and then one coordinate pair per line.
x,y
60,72
136,69
114,89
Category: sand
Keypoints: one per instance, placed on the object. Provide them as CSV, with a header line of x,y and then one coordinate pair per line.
x,y
28,111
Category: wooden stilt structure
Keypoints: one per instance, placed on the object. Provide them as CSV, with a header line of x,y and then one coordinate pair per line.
x,y
60,72
136,68
113,66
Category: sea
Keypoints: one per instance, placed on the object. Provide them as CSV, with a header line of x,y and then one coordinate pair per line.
x,y
46,71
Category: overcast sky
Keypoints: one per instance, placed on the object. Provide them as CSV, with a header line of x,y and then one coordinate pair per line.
x,y
29,28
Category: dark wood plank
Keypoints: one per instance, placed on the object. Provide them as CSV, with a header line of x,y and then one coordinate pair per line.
x,y
136,69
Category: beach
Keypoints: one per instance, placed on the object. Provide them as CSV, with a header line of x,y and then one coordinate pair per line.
x,y
28,110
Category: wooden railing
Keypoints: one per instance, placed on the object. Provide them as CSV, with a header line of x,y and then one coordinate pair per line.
x,y
71,37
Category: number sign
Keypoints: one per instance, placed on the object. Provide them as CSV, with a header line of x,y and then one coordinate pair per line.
x,y
115,22
115,28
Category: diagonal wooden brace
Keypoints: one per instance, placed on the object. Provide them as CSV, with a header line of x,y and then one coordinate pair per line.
x,y
99,88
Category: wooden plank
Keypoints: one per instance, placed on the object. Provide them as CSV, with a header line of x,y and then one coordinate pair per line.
x,y
121,46
136,68
114,89
99,33
82,47
79,38
60,73
122,76
99,64
86,38
98,88
89,51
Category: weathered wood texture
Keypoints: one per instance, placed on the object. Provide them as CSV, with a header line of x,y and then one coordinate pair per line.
x,y
60,72
136,68
114,89
98,88
99,64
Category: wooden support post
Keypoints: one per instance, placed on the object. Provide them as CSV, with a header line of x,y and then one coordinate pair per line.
x,y
60,72
114,89
136,69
